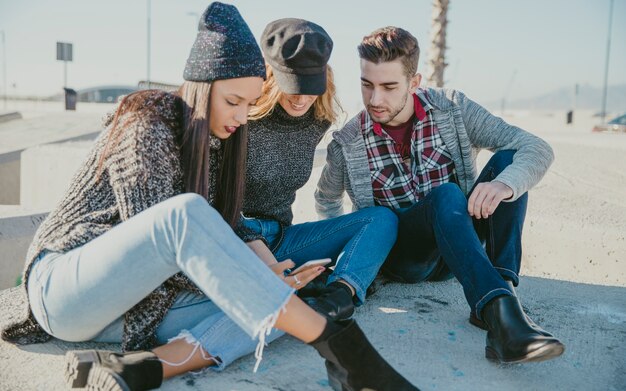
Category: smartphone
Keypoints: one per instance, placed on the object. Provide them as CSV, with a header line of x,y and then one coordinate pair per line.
x,y
310,264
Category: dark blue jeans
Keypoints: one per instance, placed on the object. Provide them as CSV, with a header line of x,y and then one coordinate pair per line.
x,y
358,243
437,234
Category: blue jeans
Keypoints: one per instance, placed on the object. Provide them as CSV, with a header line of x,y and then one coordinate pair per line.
x,y
439,227
81,295
358,243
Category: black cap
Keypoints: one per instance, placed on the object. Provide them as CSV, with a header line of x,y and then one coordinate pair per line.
x,y
298,51
224,48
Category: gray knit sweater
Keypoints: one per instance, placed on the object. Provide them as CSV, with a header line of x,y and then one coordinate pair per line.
x,y
143,170
281,150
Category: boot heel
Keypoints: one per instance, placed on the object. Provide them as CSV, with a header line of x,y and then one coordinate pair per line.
x,y
490,354
337,379
77,367
336,384
353,364
102,379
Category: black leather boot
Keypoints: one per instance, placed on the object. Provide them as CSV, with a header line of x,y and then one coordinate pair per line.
x,y
315,287
352,362
102,370
473,319
511,339
335,303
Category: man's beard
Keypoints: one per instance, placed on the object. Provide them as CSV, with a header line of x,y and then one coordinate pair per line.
x,y
394,111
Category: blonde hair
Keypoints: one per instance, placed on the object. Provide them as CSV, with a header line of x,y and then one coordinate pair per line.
x,y
326,106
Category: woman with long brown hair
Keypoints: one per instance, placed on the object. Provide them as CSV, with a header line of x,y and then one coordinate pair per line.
x,y
288,122
141,250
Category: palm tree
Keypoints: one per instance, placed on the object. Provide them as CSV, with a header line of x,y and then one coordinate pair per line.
x,y
436,55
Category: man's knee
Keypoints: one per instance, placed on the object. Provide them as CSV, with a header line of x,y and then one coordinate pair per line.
x,y
501,160
449,196
384,218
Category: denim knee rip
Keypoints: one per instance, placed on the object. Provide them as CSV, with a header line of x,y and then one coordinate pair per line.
x,y
191,340
262,332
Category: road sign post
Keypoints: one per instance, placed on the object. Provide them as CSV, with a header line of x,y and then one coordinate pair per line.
x,y
64,53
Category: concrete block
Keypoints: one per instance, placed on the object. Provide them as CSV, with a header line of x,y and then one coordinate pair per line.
x,y
6,117
46,172
10,178
10,156
17,227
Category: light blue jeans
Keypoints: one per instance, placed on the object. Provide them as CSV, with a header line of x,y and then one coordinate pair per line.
x,y
82,295
205,322
358,243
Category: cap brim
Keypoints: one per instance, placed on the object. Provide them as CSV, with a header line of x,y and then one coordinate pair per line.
x,y
290,83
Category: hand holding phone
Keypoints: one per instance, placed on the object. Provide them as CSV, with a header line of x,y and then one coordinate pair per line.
x,y
310,264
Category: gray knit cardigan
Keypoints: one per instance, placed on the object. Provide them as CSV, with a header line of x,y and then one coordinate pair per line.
x,y
466,128
143,170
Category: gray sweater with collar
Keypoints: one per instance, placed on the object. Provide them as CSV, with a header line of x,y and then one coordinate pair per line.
x,y
466,128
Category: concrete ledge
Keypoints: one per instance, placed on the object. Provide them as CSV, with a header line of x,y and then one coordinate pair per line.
x,y
6,117
421,329
11,172
43,129
50,168
10,178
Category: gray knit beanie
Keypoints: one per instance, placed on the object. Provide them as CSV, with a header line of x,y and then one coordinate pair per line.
x,y
224,48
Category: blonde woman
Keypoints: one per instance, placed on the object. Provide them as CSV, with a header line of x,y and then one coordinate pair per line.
x,y
296,109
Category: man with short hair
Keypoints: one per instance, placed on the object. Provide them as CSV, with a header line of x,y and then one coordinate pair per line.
x,y
413,150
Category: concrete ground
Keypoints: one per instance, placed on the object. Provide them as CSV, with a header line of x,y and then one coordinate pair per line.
x,y
575,231
422,330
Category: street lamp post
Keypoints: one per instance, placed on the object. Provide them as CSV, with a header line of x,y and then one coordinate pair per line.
x,y
4,70
507,92
148,54
196,16
606,64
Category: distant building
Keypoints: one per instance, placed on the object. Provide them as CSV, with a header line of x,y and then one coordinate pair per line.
x,y
104,94
143,85
111,94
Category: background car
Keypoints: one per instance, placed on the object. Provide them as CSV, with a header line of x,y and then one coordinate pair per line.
x,y
615,125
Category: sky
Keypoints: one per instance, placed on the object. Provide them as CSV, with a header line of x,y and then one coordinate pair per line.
x,y
496,48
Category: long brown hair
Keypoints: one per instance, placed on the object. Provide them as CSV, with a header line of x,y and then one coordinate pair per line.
x,y
194,142
192,136
326,106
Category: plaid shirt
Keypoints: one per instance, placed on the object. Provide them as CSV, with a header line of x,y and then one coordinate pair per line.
x,y
395,184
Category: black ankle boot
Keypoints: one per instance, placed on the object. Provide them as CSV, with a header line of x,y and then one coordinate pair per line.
x,y
473,319
352,362
510,338
315,287
102,370
335,303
